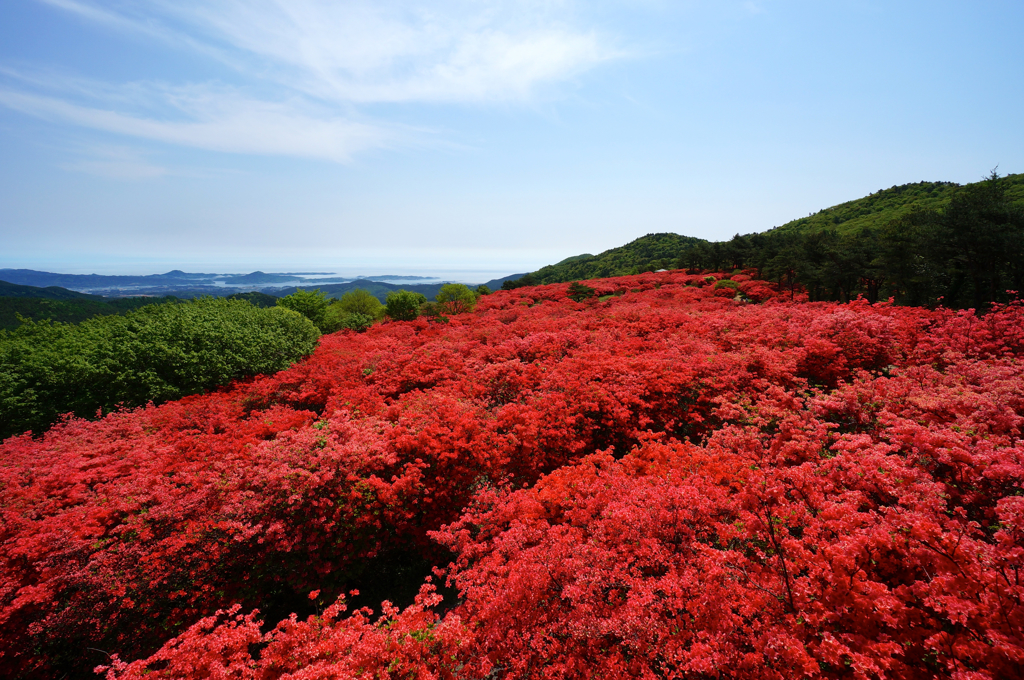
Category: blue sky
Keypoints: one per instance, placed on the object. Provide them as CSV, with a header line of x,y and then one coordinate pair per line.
x,y
484,136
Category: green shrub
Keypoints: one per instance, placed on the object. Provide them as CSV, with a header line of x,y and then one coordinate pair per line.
x,y
433,311
361,302
352,311
580,292
403,305
356,321
156,353
456,298
312,304
726,283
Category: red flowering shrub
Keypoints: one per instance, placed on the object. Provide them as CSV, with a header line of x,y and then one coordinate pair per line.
x,y
758,291
726,489
409,644
802,553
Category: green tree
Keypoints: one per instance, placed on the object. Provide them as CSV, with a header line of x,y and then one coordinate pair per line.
x,y
403,305
523,281
905,258
362,302
580,292
312,304
433,311
356,310
356,321
694,258
482,290
256,298
736,253
456,298
979,236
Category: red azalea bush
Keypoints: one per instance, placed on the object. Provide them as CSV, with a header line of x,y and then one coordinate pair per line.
x,y
663,483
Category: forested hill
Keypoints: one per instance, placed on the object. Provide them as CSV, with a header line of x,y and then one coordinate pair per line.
x,y
14,290
19,302
921,244
654,251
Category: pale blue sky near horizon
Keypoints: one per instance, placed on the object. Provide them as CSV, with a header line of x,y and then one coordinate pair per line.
x,y
486,136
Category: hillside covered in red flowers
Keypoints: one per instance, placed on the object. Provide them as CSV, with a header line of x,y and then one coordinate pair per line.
x,y
670,479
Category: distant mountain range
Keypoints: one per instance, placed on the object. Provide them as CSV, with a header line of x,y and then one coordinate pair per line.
x,y
32,284
31,277
186,284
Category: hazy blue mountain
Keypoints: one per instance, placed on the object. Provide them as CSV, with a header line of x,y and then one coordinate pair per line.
x,y
394,277
257,278
495,284
31,277
48,293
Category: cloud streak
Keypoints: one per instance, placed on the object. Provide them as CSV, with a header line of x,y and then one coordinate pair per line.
x,y
443,51
316,64
138,25
217,121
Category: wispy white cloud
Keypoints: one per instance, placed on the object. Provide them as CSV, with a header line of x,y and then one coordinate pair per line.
x,y
315,64
139,24
99,15
446,50
218,121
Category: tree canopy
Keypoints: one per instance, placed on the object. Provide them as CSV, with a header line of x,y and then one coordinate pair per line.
x,y
312,304
456,298
362,302
356,310
403,305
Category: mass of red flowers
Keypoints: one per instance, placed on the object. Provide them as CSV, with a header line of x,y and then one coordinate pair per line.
x,y
669,479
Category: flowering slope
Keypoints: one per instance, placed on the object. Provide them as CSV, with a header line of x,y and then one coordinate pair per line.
x,y
661,482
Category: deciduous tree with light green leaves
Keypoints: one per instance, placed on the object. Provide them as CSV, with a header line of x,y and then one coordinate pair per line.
x,y
361,301
456,298
312,304
403,305
356,310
